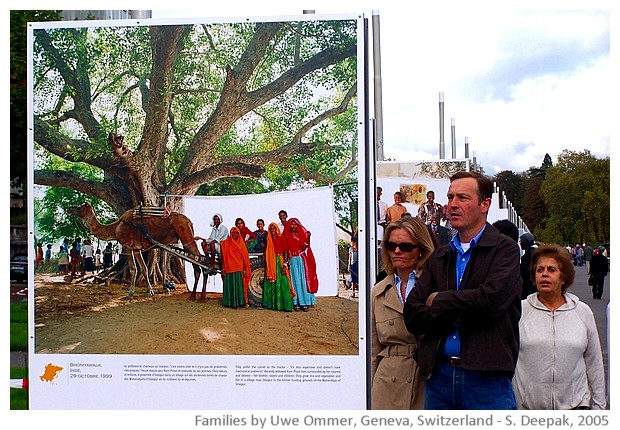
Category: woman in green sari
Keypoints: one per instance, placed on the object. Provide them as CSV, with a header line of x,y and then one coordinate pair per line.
x,y
277,291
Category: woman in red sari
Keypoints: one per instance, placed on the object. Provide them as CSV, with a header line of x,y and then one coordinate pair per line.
x,y
247,235
302,264
236,270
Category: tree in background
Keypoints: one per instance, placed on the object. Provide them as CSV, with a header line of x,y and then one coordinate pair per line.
x,y
206,108
513,185
577,193
535,211
19,88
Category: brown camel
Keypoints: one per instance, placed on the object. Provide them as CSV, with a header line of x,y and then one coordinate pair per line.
x,y
127,230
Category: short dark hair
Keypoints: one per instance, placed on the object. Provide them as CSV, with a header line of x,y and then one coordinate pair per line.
x,y
282,212
508,228
430,192
560,255
399,193
485,185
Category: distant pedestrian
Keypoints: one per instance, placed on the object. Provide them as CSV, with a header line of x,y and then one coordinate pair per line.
x,y
48,257
430,208
74,254
352,266
587,256
38,262
528,245
63,261
599,267
98,262
440,235
396,211
107,255
88,257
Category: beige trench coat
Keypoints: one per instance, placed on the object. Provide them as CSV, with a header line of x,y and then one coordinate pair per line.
x,y
396,383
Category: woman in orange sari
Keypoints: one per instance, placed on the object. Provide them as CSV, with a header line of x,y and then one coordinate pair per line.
x,y
277,291
236,270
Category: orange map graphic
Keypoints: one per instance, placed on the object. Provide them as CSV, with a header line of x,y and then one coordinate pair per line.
x,y
51,373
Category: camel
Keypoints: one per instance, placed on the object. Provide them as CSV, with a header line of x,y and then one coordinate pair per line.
x,y
128,231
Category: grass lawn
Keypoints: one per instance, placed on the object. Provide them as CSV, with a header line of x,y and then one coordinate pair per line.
x,y
19,326
19,342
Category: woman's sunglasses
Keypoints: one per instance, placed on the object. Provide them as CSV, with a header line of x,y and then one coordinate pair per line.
x,y
404,246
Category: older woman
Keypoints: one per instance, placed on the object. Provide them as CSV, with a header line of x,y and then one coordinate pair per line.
x,y
560,363
396,384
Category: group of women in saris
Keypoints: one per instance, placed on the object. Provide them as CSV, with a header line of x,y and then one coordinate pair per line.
x,y
290,273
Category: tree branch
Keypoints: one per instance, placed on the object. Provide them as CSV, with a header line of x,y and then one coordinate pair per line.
x,y
78,82
236,101
75,150
114,196
222,170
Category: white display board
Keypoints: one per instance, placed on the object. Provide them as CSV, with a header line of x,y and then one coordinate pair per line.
x,y
65,379
313,207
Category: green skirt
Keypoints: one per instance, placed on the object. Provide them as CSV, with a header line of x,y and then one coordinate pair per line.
x,y
277,294
233,290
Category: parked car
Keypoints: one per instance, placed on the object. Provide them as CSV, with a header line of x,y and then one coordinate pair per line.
x,y
19,267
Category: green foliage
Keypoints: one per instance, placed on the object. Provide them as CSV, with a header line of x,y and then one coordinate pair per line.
x,y
577,193
513,185
563,203
19,326
19,87
232,187
18,216
52,221
346,199
535,212
291,97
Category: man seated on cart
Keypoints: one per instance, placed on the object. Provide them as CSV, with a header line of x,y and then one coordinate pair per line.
x,y
211,245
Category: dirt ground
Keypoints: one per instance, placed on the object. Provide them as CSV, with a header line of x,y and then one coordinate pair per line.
x,y
80,317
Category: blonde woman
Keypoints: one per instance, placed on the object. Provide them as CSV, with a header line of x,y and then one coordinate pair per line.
x,y
396,384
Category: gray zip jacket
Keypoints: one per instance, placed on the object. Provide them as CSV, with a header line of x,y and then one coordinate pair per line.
x,y
560,363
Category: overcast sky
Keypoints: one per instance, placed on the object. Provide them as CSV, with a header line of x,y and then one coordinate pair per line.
x,y
518,83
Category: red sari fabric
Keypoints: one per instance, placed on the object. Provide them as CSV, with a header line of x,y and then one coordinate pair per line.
x,y
274,247
236,257
246,232
300,245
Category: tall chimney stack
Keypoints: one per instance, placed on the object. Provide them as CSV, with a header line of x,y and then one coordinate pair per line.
x,y
376,57
442,143
453,141
466,147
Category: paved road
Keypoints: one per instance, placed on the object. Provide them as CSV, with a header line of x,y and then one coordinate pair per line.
x,y
599,308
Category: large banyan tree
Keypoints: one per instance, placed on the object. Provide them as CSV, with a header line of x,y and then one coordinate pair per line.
x,y
193,104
